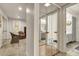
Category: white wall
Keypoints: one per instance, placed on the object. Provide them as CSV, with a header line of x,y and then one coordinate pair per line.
x,y
77,23
71,35
3,14
68,27
1,31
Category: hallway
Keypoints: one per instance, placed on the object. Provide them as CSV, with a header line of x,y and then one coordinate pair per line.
x,y
42,29
13,29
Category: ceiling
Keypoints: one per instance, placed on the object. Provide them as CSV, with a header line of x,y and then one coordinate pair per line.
x,y
11,9
45,10
74,9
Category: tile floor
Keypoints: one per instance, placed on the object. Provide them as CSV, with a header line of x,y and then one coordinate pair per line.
x,y
70,50
14,49
19,50
47,50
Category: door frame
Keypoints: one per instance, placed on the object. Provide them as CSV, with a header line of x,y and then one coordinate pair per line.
x,y
55,11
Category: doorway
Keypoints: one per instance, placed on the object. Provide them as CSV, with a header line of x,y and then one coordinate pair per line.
x,y
72,30
48,31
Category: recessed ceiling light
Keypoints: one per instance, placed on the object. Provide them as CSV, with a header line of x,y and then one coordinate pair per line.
x,y
27,10
20,8
47,4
